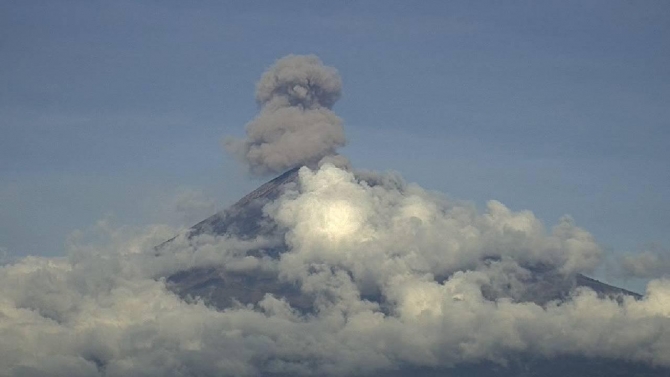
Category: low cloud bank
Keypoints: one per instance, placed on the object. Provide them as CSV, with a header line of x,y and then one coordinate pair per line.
x,y
105,309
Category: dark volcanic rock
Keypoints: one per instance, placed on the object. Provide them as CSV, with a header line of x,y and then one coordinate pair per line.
x,y
221,288
244,219
604,290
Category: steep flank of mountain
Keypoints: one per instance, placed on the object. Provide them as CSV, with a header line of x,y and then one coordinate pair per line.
x,y
221,288
604,289
244,218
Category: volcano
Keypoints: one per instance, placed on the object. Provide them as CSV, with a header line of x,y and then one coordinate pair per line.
x,y
221,288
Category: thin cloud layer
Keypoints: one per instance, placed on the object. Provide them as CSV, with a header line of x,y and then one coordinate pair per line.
x,y
649,264
296,125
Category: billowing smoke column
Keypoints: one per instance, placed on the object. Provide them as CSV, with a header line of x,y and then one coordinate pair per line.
x,y
398,277
296,125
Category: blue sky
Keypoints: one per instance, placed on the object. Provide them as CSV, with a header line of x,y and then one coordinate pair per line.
x,y
558,107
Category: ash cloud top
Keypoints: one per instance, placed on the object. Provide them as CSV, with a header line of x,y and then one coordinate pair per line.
x,y
297,80
296,125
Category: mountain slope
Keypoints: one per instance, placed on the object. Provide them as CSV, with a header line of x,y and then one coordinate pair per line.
x,y
222,288
245,220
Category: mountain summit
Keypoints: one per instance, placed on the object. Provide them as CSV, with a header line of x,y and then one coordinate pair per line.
x,y
245,220
221,287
